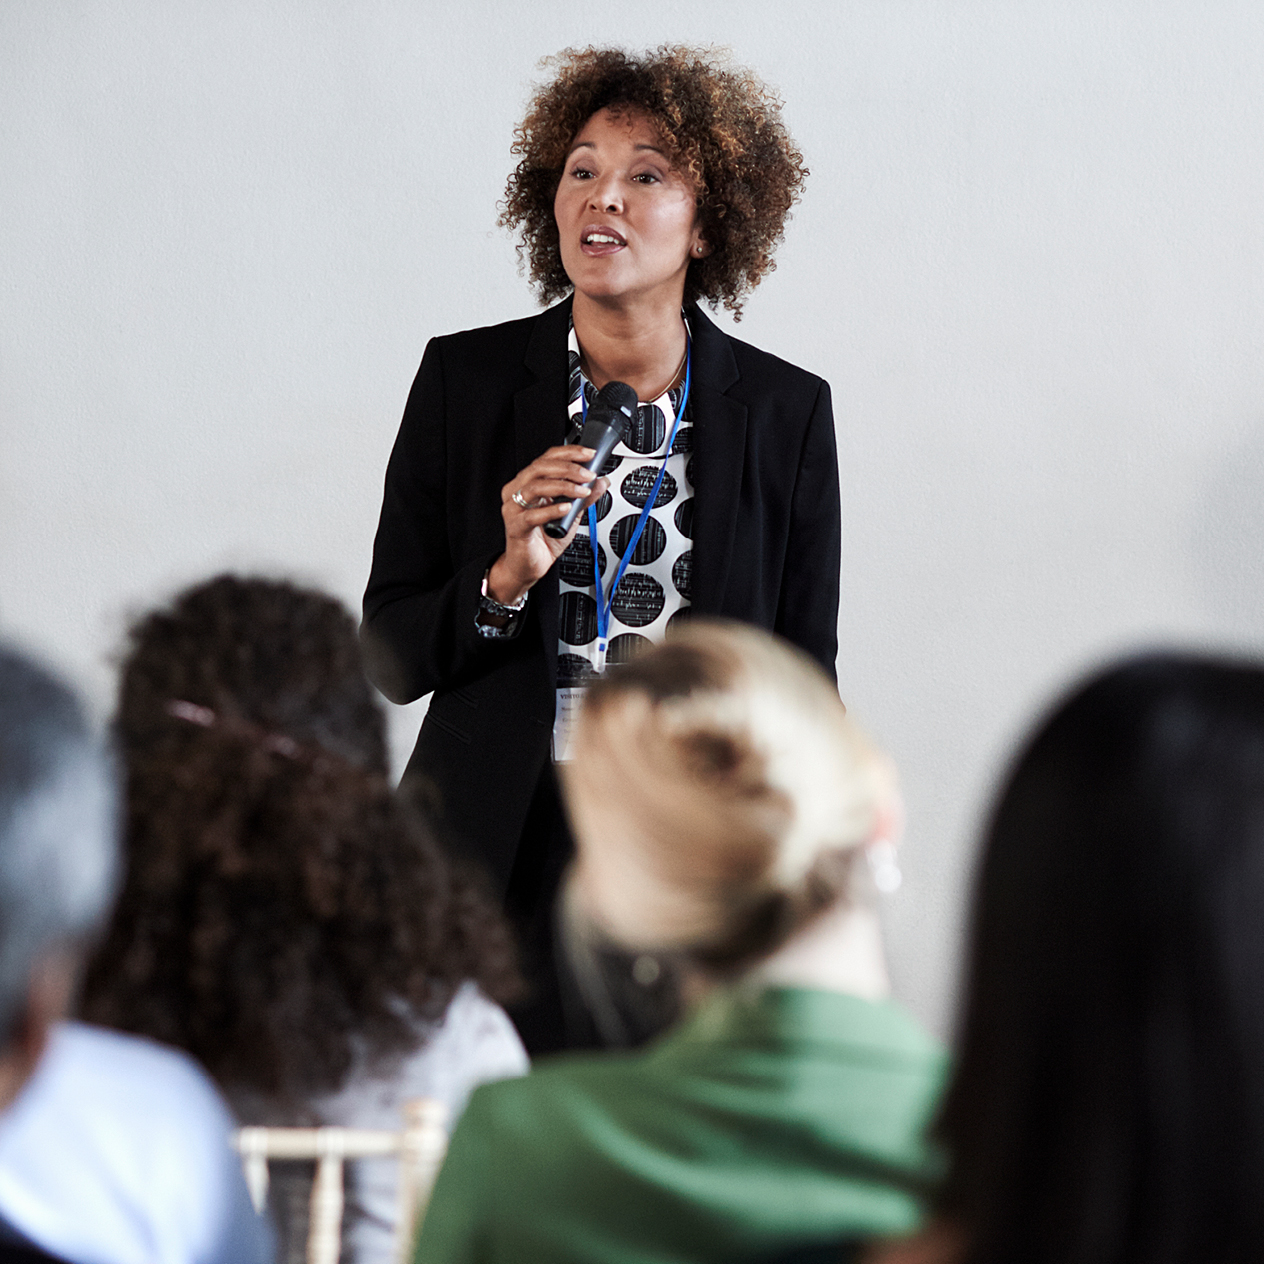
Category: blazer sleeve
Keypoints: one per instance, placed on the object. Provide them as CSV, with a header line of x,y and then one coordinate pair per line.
x,y
420,604
807,613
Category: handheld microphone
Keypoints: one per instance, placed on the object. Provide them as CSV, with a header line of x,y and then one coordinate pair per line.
x,y
608,419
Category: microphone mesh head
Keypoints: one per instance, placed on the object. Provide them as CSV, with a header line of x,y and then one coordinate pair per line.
x,y
621,400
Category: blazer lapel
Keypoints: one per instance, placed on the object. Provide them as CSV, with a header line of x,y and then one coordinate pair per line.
x,y
719,436
540,423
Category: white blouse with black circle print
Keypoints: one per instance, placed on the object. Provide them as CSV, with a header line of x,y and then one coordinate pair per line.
x,y
655,589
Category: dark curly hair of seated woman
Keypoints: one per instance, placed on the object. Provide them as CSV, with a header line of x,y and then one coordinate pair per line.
x,y
721,126
286,918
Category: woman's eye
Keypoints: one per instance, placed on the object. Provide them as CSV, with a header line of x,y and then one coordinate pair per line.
x,y
646,177
582,173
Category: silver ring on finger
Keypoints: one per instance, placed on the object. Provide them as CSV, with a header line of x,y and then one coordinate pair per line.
x,y
520,500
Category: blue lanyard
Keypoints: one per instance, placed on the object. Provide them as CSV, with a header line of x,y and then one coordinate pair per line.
x,y
605,602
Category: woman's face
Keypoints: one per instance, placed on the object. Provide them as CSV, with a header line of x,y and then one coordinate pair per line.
x,y
626,221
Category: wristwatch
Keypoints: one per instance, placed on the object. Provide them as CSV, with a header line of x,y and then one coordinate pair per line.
x,y
494,618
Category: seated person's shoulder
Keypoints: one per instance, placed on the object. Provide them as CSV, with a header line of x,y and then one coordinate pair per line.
x,y
474,1043
562,1095
480,1028
123,1135
103,1078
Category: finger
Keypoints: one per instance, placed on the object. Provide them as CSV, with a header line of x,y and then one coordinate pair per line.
x,y
594,493
526,521
567,455
554,481
560,545
550,487
598,490
569,452
562,458
573,471
523,521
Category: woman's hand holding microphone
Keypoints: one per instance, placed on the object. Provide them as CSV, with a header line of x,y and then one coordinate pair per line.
x,y
527,503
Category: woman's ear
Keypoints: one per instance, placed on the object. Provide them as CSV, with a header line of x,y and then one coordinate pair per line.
x,y
881,850
700,248
889,819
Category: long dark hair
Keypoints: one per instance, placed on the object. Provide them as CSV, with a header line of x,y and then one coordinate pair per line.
x,y
1108,1101
282,909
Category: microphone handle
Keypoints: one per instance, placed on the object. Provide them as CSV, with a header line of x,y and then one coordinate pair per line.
x,y
605,437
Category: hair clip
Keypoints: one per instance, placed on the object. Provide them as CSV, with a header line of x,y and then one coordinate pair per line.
x,y
204,717
279,744
190,711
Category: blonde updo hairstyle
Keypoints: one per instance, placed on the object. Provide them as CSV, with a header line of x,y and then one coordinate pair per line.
x,y
719,798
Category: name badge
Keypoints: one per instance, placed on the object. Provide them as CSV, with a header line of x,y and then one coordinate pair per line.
x,y
569,700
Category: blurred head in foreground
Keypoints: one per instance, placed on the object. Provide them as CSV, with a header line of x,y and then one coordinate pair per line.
x,y
724,811
57,857
720,798
283,912
1108,1102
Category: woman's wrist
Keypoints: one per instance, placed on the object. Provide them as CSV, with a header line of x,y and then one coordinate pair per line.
x,y
503,586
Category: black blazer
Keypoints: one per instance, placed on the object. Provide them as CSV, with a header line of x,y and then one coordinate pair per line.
x,y
485,404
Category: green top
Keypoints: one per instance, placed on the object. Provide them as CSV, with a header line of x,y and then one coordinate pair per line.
x,y
767,1120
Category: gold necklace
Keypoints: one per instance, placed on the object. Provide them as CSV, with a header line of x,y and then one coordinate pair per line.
x,y
680,368
675,377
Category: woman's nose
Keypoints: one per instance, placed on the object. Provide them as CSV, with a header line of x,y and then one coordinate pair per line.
x,y
604,195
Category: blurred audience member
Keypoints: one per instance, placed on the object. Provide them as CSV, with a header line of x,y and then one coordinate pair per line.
x,y
284,918
112,1150
1108,1100
724,808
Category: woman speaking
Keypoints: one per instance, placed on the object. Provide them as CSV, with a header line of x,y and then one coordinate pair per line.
x,y
646,185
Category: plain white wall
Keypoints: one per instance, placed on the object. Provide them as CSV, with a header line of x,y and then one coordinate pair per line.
x,y
1029,262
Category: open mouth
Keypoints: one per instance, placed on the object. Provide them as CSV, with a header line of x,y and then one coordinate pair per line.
x,y
600,241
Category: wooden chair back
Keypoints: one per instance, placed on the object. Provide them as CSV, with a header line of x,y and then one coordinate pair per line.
x,y
420,1144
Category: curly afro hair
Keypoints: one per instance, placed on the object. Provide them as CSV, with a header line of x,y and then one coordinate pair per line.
x,y
721,127
283,910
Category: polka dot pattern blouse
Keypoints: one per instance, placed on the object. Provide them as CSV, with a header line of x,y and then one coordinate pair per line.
x,y
655,589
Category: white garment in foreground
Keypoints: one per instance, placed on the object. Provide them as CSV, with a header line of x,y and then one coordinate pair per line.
x,y
475,1044
117,1152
